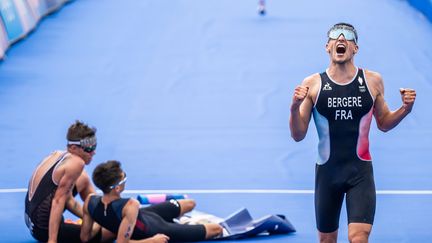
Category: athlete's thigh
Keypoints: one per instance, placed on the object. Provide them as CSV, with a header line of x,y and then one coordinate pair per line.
x,y
328,202
179,232
69,233
167,210
361,200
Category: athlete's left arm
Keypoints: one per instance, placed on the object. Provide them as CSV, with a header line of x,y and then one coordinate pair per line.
x,y
86,227
74,206
84,185
89,229
386,119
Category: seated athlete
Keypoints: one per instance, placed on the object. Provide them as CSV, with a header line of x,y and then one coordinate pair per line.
x,y
127,222
54,184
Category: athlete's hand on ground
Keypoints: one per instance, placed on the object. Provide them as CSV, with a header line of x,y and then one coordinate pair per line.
x,y
408,98
300,93
160,238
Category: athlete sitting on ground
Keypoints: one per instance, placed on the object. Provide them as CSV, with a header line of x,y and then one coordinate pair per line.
x,y
126,220
54,184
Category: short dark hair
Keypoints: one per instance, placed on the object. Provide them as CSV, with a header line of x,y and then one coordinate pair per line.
x,y
350,26
344,24
79,130
107,174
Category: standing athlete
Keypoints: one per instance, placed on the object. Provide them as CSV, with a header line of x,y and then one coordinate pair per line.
x,y
343,100
261,7
54,184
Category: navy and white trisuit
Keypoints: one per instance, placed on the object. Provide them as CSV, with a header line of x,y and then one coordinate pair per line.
x,y
151,220
343,114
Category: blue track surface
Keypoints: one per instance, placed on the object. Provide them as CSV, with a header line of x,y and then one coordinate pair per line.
x,y
196,94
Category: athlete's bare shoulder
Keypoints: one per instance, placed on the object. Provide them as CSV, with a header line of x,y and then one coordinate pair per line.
x,y
71,165
76,162
375,82
312,79
132,206
313,82
373,76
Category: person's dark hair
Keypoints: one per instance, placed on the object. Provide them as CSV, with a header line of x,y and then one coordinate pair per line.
x,y
80,130
107,174
343,24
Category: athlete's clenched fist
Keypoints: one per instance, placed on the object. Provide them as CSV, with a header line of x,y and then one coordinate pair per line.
x,y
408,98
300,93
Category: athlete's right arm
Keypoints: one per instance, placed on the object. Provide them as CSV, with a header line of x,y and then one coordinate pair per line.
x,y
127,225
70,175
301,109
129,217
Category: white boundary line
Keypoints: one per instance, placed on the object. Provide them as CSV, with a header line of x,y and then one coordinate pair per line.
x,y
243,191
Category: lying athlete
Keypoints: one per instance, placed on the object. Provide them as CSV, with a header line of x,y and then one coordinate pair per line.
x,y
127,222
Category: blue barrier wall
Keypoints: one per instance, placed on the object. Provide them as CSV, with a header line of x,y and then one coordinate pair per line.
x,y
19,17
11,20
424,6
3,41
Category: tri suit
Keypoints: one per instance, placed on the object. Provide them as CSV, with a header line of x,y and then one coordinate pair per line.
x,y
38,209
342,115
151,220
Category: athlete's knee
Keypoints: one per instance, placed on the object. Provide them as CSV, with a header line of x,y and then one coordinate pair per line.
x,y
359,232
328,237
186,205
361,236
213,230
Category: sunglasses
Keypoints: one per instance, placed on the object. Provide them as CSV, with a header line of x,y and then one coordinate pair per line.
x,y
120,182
89,149
348,34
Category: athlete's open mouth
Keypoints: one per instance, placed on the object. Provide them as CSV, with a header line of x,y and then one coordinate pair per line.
x,y
340,49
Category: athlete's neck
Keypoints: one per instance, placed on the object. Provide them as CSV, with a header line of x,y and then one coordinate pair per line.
x,y
108,198
342,73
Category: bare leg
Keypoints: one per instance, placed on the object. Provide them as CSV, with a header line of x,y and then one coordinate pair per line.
x,y
328,237
107,236
212,230
186,205
359,232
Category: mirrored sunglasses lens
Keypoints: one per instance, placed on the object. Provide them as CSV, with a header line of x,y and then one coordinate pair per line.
x,y
89,149
349,35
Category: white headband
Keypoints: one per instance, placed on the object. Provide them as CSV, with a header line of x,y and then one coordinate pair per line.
x,y
85,142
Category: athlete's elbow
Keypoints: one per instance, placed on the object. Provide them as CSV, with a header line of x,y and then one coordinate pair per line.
x,y
298,131
297,137
383,127
58,202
